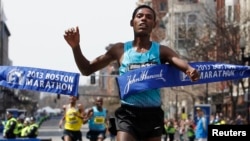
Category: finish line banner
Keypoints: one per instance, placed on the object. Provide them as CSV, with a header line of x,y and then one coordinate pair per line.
x,y
166,75
37,79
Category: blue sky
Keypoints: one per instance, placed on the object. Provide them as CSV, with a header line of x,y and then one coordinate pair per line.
x,y
37,28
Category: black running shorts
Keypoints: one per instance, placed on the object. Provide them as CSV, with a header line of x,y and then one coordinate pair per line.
x,y
74,135
142,123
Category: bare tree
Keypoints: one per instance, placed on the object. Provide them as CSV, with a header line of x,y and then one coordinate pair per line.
x,y
220,41
212,34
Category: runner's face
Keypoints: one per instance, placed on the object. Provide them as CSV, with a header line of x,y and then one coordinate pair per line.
x,y
143,22
99,102
72,99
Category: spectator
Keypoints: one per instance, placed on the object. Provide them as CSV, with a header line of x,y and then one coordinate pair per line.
x,y
32,131
201,131
10,128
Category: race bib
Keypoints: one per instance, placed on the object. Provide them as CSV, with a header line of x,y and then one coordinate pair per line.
x,y
99,120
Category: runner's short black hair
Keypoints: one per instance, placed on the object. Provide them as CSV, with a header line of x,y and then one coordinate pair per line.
x,y
143,6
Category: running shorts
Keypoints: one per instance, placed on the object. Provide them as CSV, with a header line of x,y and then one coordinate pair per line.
x,y
74,135
142,123
94,135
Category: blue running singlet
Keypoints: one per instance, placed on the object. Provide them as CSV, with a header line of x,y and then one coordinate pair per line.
x,y
133,60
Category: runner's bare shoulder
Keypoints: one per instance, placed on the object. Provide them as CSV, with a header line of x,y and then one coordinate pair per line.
x,y
115,49
80,106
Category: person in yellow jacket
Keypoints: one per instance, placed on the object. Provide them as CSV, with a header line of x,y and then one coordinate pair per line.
x,y
170,129
19,126
32,131
10,128
73,119
222,122
191,133
25,129
165,130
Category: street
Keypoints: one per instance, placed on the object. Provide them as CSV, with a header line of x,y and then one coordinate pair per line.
x,y
54,133
50,130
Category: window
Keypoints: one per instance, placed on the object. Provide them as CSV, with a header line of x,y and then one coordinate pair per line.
x,y
163,6
192,18
229,13
185,32
191,32
180,33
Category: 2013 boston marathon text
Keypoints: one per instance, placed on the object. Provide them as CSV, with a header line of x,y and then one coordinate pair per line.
x,y
51,80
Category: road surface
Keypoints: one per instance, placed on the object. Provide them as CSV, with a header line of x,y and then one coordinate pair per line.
x,y
51,130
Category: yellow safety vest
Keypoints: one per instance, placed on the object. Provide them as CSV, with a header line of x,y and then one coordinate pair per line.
x,y
222,122
190,132
7,126
19,128
171,130
31,126
24,131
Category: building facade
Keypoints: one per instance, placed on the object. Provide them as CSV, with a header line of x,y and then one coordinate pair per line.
x,y
6,95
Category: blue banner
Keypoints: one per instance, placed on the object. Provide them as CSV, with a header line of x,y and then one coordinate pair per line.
x,y
37,79
166,75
